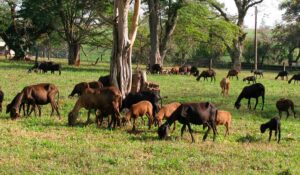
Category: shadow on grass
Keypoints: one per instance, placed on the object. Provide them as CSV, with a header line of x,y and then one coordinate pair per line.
x,y
248,139
285,172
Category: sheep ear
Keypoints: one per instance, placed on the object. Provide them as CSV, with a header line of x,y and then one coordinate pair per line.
x,y
184,111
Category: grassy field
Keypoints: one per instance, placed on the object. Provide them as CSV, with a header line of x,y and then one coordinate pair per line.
x,y
47,145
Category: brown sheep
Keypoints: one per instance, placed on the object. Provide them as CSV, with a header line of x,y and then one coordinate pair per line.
x,y
166,111
225,85
175,70
80,87
284,104
108,101
138,110
224,118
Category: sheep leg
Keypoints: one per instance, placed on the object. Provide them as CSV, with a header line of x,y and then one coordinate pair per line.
x,y
183,129
133,127
174,125
279,133
263,102
270,135
256,101
287,114
280,114
206,133
237,77
190,130
227,129
249,104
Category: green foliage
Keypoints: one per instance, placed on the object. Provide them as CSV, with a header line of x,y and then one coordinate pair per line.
x,y
46,145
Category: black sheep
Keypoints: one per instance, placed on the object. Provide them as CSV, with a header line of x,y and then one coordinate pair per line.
x,y
105,80
282,74
233,73
133,98
250,78
191,113
258,72
295,78
207,73
156,69
273,124
253,91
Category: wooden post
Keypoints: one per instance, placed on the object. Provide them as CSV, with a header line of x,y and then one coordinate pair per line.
x,y
255,39
210,64
283,66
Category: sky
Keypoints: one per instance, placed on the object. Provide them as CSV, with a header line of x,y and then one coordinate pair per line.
x,y
267,11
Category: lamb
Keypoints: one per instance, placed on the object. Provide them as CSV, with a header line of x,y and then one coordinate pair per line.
x,y
258,72
224,118
295,78
139,110
284,104
250,78
207,73
273,124
166,111
253,91
282,74
225,85
232,73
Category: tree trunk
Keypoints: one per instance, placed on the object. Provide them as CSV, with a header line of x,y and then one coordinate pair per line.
x,y
120,65
236,55
154,37
73,55
169,30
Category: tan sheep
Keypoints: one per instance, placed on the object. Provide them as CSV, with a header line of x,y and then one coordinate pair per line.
x,y
166,111
138,110
224,118
225,85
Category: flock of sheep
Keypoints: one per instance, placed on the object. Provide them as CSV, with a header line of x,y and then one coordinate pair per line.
x,y
106,100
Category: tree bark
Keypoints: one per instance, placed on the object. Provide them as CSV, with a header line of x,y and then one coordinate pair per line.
x,y
120,65
74,54
154,37
169,30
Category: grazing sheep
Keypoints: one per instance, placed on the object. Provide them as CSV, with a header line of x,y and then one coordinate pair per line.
x,y
253,91
166,111
194,71
273,124
156,69
250,78
108,102
105,80
282,74
80,87
175,70
207,73
258,72
284,104
295,78
1,99
139,110
225,85
191,113
223,118
232,73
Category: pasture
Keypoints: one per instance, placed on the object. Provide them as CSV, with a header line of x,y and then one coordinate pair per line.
x,y
47,145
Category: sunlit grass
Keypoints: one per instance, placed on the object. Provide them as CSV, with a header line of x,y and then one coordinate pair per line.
x,y
47,145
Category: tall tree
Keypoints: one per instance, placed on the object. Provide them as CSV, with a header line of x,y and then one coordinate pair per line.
x,y
159,41
235,49
19,32
123,40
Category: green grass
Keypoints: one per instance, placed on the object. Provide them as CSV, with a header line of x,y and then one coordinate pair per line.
x,y
47,145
